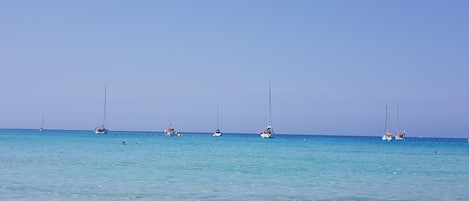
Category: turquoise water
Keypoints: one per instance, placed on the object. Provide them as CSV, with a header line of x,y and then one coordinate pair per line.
x,y
79,165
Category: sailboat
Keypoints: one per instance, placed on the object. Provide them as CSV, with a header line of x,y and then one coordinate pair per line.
x,y
42,127
217,132
400,135
171,131
269,131
387,136
102,128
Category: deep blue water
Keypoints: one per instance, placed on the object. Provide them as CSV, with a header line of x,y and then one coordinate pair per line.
x,y
80,165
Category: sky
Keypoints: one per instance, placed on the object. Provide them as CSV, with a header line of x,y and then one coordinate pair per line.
x,y
333,65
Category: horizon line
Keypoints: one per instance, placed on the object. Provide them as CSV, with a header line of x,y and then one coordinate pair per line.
x,y
238,133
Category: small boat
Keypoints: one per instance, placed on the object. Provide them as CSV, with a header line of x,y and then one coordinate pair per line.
x,y
400,135
217,132
102,128
387,136
171,131
42,127
269,131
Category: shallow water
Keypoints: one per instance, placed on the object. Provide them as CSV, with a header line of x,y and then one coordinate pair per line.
x,y
80,165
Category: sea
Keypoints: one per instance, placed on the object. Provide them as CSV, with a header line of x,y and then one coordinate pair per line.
x,y
80,165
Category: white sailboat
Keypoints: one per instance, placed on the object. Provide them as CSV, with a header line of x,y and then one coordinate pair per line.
x,y
217,132
387,136
269,131
171,131
42,126
101,129
400,135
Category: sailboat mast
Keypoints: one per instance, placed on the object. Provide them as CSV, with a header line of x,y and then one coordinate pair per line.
x,y
398,123
105,106
386,120
42,121
270,104
218,115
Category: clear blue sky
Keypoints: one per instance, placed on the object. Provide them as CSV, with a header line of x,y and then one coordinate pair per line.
x,y
333,65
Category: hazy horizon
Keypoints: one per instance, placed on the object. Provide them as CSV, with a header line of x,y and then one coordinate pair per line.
x,y
333,65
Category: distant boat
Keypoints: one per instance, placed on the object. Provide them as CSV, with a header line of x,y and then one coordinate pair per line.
x,y
400,135
171,131
217,132
42,126
101,129
269,131
387,136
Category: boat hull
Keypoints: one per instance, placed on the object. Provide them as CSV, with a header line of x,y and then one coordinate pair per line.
x,y
172,133
100,131
386,137
399,138
217,134
266,135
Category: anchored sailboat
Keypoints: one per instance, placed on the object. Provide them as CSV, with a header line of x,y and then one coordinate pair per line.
x,y
171,131
217,132
102,128
269,131
400,134
42,126
387,136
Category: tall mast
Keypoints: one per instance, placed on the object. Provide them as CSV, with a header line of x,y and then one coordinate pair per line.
x,y
398,126
105,97
386,120
42,121
218,115
270,104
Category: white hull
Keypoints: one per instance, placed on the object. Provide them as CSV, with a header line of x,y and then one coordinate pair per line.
x,y
41,129
217,134
266,135
100,132
386,137
399,138
400,135
171,132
